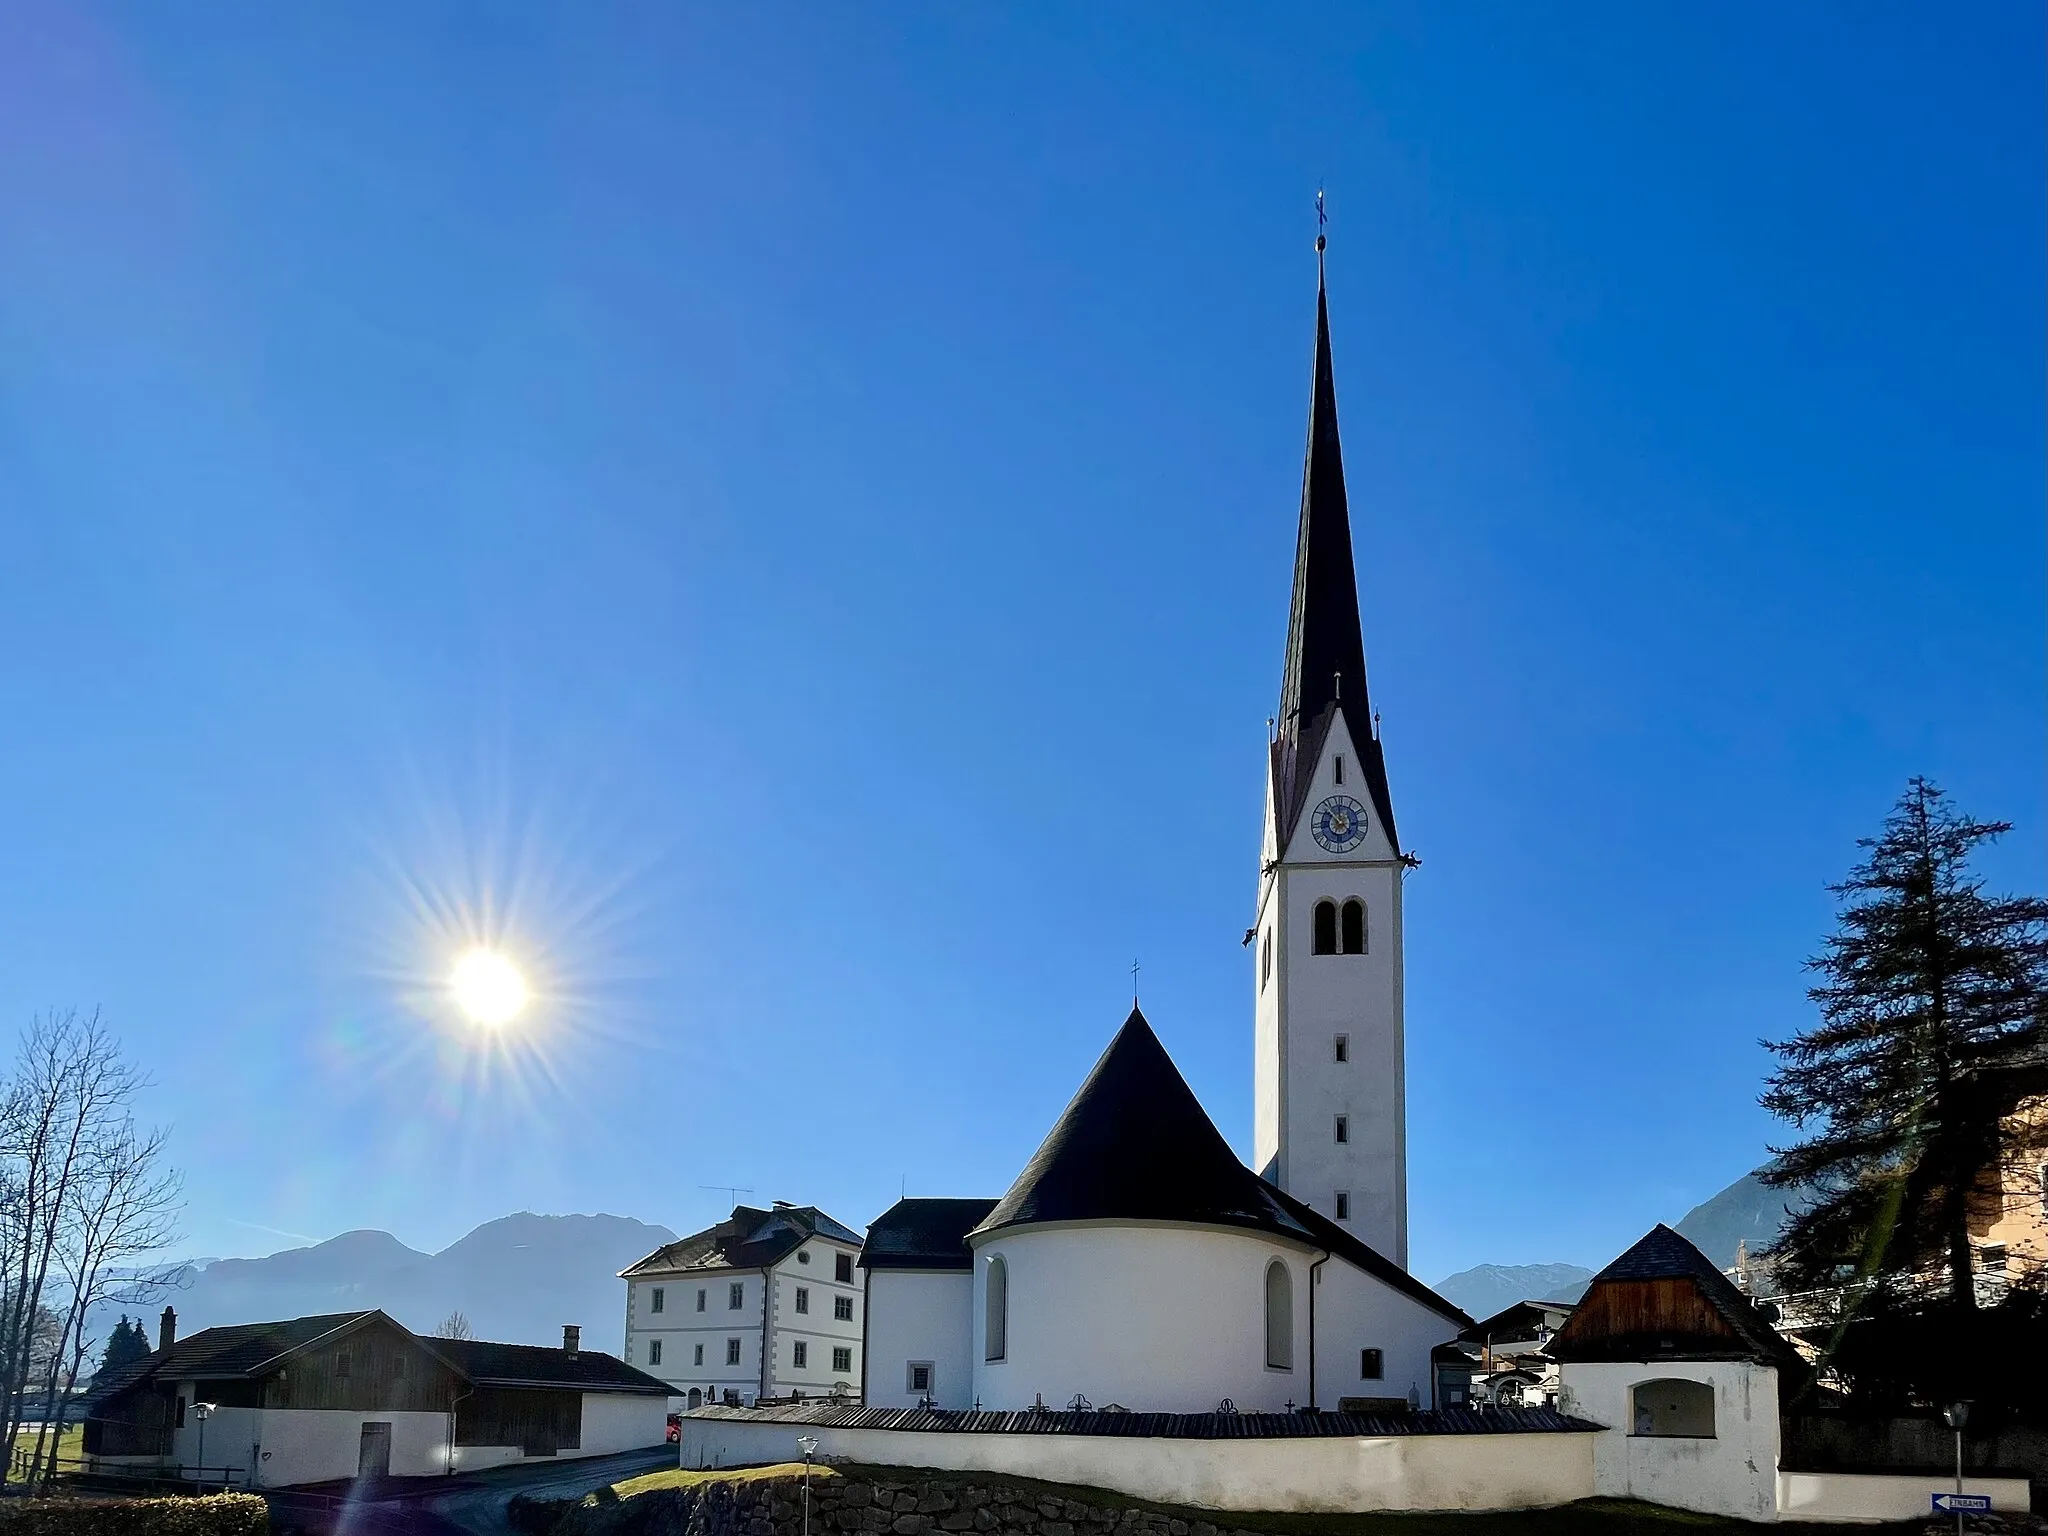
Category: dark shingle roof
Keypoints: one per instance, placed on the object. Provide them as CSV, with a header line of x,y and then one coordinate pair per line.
x,y
255,1349
924,1233
1169,1426
538,1365
1135,1144
1664,1255
750,1238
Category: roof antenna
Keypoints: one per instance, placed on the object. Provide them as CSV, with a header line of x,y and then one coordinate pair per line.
x,y
732,1191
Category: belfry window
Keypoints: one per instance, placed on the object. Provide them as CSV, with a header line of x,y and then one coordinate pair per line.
x,y
1339,765
1279,1317
1353,937
1325,926
996,1324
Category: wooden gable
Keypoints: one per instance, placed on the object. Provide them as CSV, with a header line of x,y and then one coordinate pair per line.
x,y
1646,1319
378,1367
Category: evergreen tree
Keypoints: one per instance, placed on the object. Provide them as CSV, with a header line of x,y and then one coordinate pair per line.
x,y
125,1345
1932,1032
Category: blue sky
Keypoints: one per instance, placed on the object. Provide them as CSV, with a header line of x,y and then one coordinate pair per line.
x,y
782,516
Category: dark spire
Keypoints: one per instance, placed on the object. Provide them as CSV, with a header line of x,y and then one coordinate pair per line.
x,y
1325,643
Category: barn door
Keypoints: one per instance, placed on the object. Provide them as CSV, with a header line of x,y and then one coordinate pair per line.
x,y
374,1459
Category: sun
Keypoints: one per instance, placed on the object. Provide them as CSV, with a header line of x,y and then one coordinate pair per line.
x,y
488,988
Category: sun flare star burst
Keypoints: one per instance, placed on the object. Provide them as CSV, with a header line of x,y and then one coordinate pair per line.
x,y
488,988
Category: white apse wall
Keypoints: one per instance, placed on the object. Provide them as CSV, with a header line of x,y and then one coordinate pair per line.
x,y
1170,1318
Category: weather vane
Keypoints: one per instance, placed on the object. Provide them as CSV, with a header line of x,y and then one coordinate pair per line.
x,y
1322,225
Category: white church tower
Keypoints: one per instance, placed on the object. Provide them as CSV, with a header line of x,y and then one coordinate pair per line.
x,y
1331,1116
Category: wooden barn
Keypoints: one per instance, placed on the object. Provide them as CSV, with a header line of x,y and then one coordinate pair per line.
x,y
312,1399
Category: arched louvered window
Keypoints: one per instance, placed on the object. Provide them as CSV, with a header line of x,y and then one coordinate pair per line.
x,y
1325,926
996,1324
1279,1317
1353,937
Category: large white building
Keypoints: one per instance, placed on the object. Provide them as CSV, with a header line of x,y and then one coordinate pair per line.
x,y
765,1304
1136,1260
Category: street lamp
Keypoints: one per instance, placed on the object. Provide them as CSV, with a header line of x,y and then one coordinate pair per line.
x,y
202,1412
1956,1415
808,1444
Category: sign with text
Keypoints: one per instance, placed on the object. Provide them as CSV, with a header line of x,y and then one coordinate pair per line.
x,y
1962,1503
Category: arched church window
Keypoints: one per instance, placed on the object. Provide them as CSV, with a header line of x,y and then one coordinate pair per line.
x,y
1266,960
1354,928
1279,1317
1325,928
996,1325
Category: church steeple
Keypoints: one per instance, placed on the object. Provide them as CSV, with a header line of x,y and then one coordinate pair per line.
x,y
1325,663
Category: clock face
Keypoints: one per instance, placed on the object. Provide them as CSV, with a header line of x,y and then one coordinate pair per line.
x,y
1338,824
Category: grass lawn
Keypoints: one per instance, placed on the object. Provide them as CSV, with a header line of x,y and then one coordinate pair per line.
x,y
70,1445
1592,1517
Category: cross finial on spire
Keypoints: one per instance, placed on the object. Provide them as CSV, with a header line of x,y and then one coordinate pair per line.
x,y
1322,231
1134,983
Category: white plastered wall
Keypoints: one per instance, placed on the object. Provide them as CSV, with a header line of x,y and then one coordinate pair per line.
x,y
289,1446
1403,1472
1870,1498
920,1314
1310,999
1355,1311
1735,1472
621,1421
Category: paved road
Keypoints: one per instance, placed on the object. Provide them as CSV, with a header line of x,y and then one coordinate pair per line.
x,y
478,1506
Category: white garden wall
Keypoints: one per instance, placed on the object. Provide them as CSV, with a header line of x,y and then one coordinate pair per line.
x,y
1873,1497
1311,1476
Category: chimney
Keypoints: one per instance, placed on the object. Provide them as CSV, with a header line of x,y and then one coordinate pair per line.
x,y
572,1339
167,1329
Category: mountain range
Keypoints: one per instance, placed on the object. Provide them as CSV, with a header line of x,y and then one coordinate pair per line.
x,y
1747,1211
520,1278
517,1279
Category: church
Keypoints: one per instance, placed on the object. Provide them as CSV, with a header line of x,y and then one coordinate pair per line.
x,y
1137,1262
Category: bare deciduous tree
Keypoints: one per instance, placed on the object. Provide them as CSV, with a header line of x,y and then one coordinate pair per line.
x,y
453,1326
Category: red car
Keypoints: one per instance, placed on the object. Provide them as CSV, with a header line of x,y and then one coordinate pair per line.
x,y
675,1428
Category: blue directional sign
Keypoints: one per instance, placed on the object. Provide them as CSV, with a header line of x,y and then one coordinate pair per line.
x,y
1962,1503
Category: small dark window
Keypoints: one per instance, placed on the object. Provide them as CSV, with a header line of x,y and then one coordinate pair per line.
x,y
700,1356
1343,1205
1266,960
178,1421
700,1298
1343,1128
800,1355
655,1302
1340,770
1354,927
398,1367
1343,1048
920,1376
842,1268
842,1359
1325,926
803,1255
1372,1365
732,1351
803,1298
735,1296
341,1366
654,1352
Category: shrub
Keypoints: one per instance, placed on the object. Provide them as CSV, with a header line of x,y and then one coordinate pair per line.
x,y
220,1514
536,1517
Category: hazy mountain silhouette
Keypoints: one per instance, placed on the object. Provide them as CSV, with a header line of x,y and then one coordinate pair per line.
x,y
1486,1288
517,1279
1747,1211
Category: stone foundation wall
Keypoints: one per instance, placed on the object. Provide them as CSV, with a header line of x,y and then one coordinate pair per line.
x,y
843,1504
